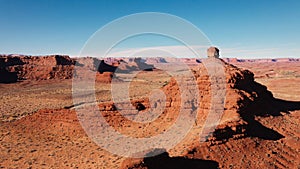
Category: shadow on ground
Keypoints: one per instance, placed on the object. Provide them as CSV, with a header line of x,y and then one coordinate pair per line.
x,y
8,77
264,105
164,161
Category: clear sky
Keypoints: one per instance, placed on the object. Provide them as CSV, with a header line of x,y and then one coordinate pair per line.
x,y
240,28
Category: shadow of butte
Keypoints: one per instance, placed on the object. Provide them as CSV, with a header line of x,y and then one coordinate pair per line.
x,y
164,161
285,106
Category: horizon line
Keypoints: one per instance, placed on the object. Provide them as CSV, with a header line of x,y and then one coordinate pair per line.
x,y
121,57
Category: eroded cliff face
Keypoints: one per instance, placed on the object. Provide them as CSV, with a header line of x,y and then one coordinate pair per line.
x,y
244,99
15,68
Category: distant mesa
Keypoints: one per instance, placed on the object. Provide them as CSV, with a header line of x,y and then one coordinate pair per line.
x,y
235,60
153,60
120,65
15,68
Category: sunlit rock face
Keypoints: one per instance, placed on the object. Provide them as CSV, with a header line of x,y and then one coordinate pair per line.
x,y
213,52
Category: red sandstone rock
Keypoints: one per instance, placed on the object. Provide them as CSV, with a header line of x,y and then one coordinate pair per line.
x,y
38,67
54,138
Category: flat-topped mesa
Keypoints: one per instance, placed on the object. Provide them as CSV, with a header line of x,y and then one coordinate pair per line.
x,y
15,68
20,67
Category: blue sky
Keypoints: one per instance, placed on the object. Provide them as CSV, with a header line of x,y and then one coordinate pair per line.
x,y
240,28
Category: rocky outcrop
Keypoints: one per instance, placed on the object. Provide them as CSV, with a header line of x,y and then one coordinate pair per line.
x,y
14,68
213,52
245,99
